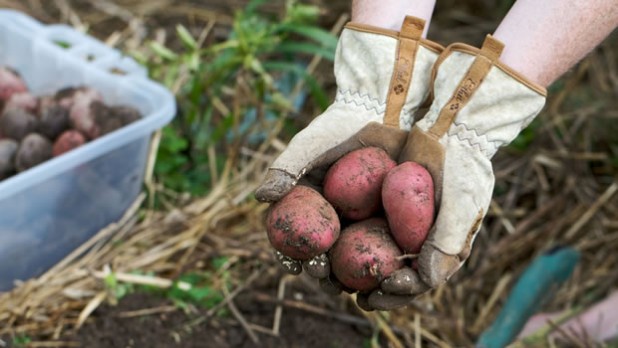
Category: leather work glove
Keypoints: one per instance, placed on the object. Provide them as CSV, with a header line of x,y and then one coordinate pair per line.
x,y
382,78
479,106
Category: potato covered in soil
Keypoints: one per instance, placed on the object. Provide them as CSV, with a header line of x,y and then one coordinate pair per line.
x,y
82,118
302,224
354,183
109,119
79,103
68,141
17,123
10,83
8,148
365,254
409,203
34,149
24,101
53,120
67,97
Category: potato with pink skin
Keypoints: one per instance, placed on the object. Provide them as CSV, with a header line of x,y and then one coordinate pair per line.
x,y
24,101
33,150
53,120
409,203
82,118
79,102
8,148
111,118
302,224
68,141
365,254
68,96
10,83
354,183
17,123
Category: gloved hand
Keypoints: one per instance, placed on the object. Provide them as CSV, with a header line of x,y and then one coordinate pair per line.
x,y
479,106
382,78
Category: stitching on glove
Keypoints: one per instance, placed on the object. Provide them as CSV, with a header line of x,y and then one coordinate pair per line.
x,y
407,121
474,139
358,99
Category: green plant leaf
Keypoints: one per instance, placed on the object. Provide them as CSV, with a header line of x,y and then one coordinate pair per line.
x,y
316,91
219,262
301,13
186,37
110,281
21,340
253,5
323,37
306,48
256,39
163,51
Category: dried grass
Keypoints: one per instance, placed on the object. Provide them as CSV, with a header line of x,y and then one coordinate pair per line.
x,y
559,190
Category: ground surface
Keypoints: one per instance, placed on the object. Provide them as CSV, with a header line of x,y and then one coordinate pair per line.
x,y
109,327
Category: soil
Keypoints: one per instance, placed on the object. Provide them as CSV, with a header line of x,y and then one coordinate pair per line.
x,y
107,328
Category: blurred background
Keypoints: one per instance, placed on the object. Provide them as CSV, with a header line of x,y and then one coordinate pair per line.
x,y
247,76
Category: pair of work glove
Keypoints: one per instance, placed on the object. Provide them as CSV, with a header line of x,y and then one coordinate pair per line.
x,y
476,105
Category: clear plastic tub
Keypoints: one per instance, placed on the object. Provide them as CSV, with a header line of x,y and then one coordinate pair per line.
x,y
49,210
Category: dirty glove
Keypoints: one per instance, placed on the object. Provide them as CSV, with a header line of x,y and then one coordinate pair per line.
x,y
479,106
382,78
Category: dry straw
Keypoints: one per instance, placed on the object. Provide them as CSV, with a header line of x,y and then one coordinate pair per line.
x,y
559,190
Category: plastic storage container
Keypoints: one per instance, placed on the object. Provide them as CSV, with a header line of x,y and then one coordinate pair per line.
x,y
49,210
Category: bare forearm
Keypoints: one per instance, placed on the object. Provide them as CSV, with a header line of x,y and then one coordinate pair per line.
x,y
544,39
389,14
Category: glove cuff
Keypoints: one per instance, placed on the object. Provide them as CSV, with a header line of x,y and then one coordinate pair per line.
x,y
385,71
478,99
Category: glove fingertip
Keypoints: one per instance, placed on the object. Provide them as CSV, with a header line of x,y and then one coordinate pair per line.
x,y
404,282
276,185
386,302
291,266
436,267
317,267
330,286
362,300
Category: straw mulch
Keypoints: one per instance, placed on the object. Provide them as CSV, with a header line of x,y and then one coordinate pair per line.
x,y
559,189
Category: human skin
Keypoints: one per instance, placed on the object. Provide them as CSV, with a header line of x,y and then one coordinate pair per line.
x,y
543,39
389,14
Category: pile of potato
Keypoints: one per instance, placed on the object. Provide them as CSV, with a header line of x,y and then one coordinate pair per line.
x,y
34,129
371,213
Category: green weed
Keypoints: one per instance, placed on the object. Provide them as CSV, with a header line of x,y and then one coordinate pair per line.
x,y
199,288
231,93
21,341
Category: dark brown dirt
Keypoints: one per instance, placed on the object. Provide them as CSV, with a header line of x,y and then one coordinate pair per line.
x,y
299,328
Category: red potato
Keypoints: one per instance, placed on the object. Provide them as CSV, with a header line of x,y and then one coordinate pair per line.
x,y
17,123
365,254
68,141
79,102
408,198
354,183
33,150
44,103
53,120
10,83
82,118
24,101
302,224
109,119
8,148
68,96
